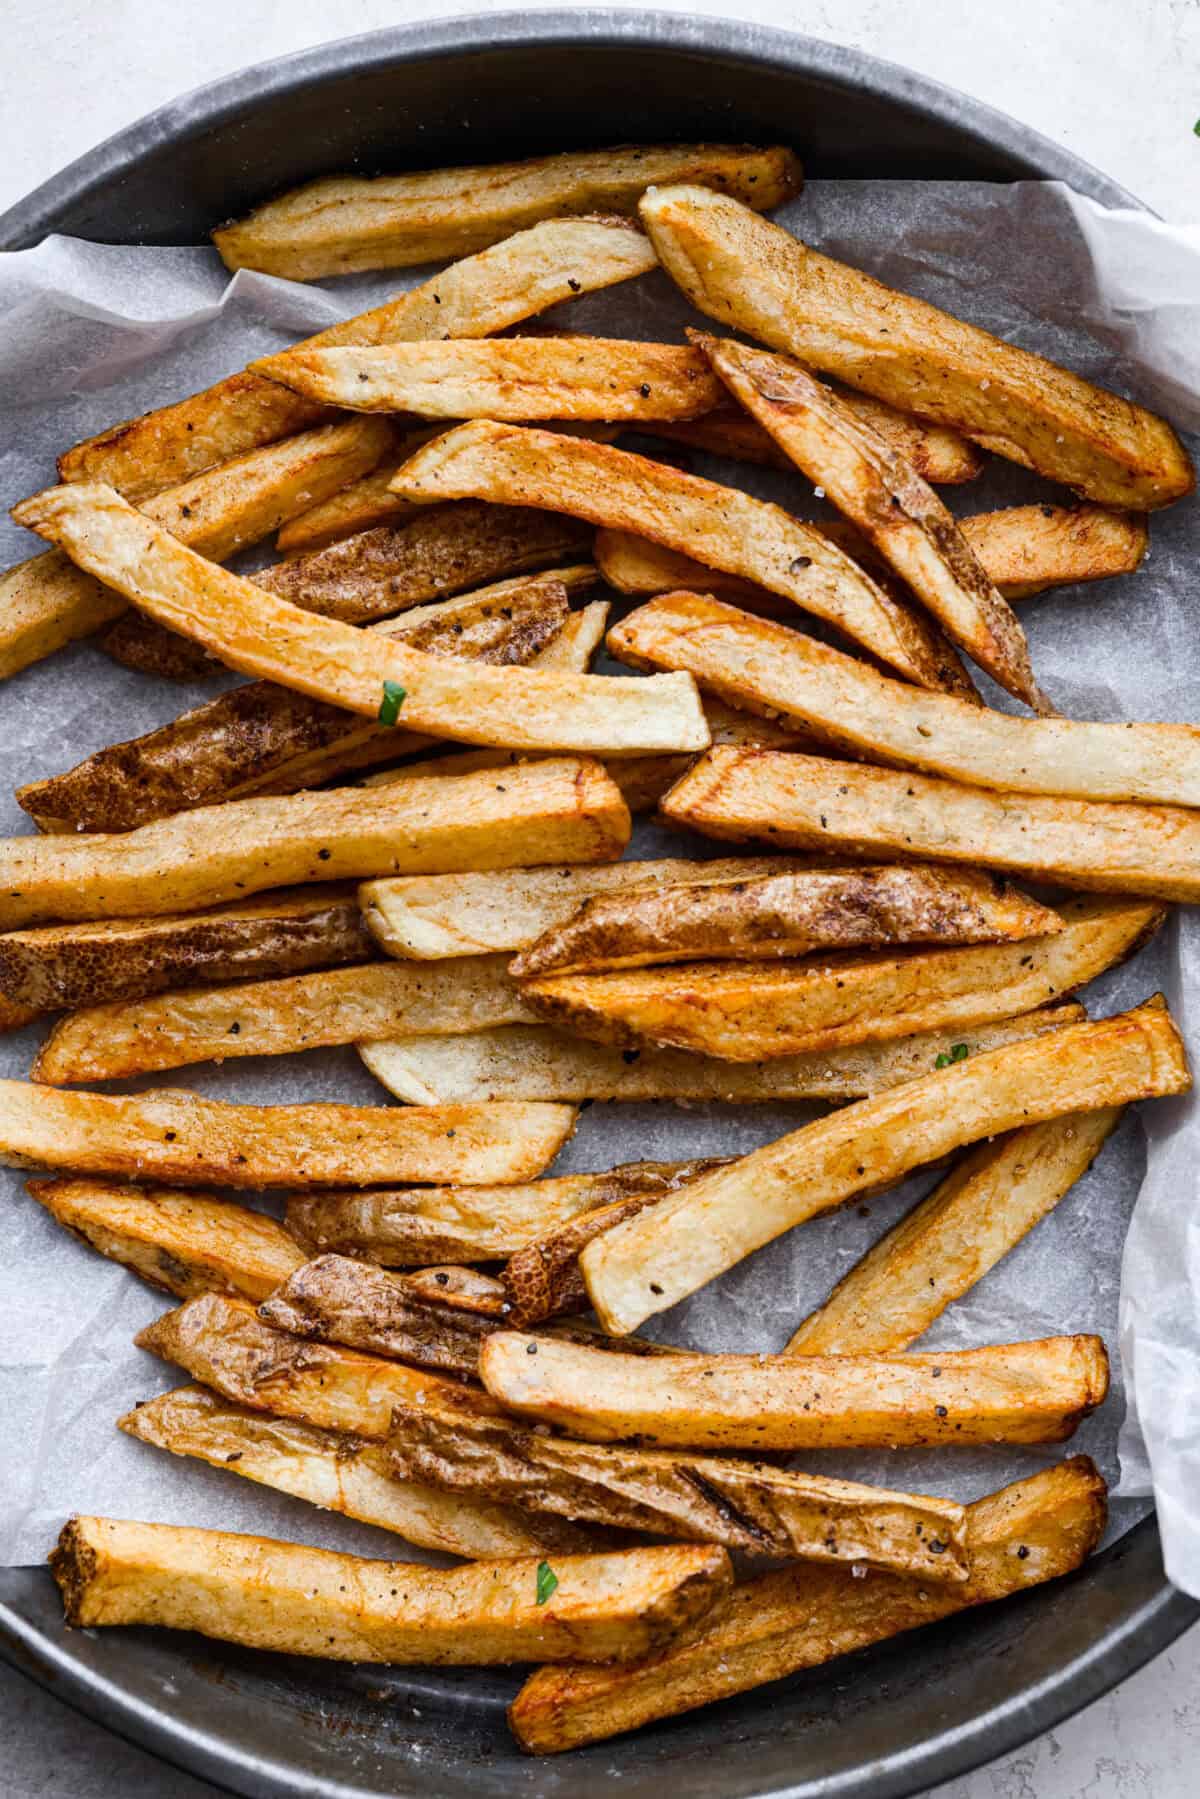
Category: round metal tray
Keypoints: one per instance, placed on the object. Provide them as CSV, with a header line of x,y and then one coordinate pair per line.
x,y
888,1721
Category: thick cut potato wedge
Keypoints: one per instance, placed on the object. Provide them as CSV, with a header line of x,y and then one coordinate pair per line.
x,y
811,804
412,1226
342,1474
266,636
722,526
751,1012
516,378
645,1265
345,223
288,933
701,1499
171,1135
185,1243
1007,1393
472,913
938,1251
880,492
1030,1532
750,274
301,1601
755,662
551,808
537,1062
783,915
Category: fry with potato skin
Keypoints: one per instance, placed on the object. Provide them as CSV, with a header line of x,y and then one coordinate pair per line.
x,y
745,272
301,1601
646,1264
939,1250
801,1617
808,803
543,1279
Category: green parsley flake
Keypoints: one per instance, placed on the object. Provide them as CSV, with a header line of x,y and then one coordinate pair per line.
x,y
547,1581
958,1053
393,699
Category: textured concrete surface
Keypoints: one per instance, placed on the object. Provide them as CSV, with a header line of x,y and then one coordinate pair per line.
x,y
1118,81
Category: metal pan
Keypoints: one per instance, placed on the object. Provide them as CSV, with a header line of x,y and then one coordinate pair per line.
x,y
889,1721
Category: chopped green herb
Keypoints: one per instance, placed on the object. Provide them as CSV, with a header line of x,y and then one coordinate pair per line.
x,y
1196,128
547,1581
958,1053
393,699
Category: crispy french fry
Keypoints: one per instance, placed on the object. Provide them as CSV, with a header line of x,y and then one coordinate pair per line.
x,y
724,527
465,1289
543,1279
342,1474
514,279
1033,1531
701,1499
302,1601
577,642
536,1062
287,933
939,1250
416,1225
877,488
343,223
14,1017
185,1243
266,636
175,1136
748,273
644,780
807,803
646,1264
792,914
635,565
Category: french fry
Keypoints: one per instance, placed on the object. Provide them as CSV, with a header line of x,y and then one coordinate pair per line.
x,y
464,1289
756,663
807,803
644,780
577,642
792,914
877,488
342,1474
302,1601
701,1499
175,1136
635,565
536,1062
415,1225
514,279
287,933
48,602
939,1250
14,1017
543,1279
1033,1531
471,913
516,378
345,223
185,1243
722,526
1007,1393
750,274
646,1264
265,636
751,1012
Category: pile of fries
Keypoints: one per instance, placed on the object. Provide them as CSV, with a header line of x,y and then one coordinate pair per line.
x,y
411,1346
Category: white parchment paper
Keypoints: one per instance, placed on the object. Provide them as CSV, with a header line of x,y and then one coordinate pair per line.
x,y
90,334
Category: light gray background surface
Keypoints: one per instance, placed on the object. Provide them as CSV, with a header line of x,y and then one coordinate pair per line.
x,y
1117,81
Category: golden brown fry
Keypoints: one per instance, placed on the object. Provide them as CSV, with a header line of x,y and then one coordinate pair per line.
x,y
302,1601
801,1617
185,1243
536,1062
748,273
357,508
939,1250
172,1135
13,1016
345,223
415,1225
643,780
722,526
287,933
874,485
777,915
647,1264
543,1279
808,803
702,1499
342,1474
635,565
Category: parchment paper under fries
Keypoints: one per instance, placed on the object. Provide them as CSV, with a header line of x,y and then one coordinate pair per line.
x,y
91,334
